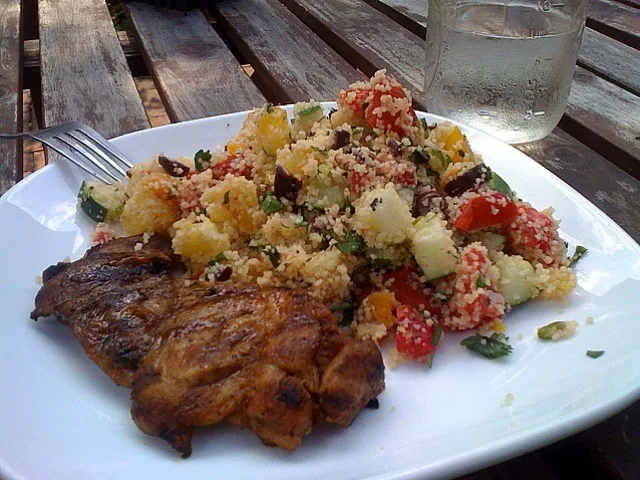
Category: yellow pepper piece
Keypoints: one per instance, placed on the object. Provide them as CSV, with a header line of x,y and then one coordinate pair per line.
x,y
273,130
382,304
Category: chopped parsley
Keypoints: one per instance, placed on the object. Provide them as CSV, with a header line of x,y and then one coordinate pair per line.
x,y
225,199
595,353
201,157
219,258
481,282
268,107
321,151
351,243
578,254
418,156
380,263
270,204
437,334
444,159
346,309
425,127
494,346
272,252
497,184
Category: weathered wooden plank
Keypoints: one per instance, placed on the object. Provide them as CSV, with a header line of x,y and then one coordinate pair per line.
x,y
196,74
613,191
84,72
611,59
616,20
265,32
128,43
411,14
10,91
609,113
366,38
616,442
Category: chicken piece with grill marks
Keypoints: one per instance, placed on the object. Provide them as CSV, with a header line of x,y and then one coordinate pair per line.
x,y
271,360
114,299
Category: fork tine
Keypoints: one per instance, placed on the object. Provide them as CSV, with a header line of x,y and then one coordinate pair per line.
x,y
84,154
93,160
95,137
69,155
97,151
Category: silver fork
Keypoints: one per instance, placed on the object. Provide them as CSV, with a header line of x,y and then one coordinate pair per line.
x,y
84,147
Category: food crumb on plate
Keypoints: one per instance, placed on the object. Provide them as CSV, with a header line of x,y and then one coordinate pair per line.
x,y
520,337
508,399
38,279
589,320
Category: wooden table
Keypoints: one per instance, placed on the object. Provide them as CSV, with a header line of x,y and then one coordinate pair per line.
x,y
76,67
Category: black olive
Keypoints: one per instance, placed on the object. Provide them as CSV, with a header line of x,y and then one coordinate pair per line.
x,y
373,404
340,138
394,147
173,167
468,180
224,274
423,203
285,185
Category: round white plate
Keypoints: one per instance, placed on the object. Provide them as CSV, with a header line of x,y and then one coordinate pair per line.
x,y
62,418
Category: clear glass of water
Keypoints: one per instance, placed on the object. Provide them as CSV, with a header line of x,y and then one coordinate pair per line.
x,y
503,66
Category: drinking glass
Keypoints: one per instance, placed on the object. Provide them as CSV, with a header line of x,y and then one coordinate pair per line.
x,y
503,66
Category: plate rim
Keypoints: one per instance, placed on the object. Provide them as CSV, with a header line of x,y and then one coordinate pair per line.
x,y
496,450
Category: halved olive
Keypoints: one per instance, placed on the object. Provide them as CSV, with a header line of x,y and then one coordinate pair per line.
x,y
466,181
173,167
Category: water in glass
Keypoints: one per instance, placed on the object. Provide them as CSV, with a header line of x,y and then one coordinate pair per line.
x,y
505,68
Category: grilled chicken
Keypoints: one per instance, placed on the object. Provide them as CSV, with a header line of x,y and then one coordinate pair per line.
x,y
114,299
272,360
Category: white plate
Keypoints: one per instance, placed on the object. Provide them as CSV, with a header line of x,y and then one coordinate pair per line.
x,y
62,418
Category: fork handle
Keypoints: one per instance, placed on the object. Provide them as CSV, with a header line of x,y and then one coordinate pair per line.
x,y
13,135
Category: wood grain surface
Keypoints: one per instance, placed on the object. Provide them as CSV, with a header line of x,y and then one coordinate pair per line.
x,y
10,91
84,73
609,188
196,74
367,39
609,114
610,59
291,60
616,20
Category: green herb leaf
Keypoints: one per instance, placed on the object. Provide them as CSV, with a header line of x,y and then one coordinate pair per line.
x,y
339,307
481,282
425,127
497,184
437,334
595,353
380,263
219,258
268,107
352,242
272,252
429,361
578,254
321,151
225,199
418,156
444,159
271,204
201,157
494,346
310,110
547,332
